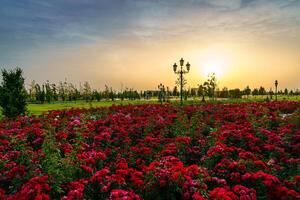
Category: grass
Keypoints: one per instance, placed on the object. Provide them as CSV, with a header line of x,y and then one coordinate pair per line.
x,y
279,98
38,109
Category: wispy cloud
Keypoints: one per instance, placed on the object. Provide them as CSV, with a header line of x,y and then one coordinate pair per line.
x,y
29,28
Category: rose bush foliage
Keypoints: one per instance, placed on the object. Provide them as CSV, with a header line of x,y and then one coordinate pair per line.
x,y
214,151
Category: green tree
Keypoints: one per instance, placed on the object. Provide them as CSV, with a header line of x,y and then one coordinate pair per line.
x,y
175,91
97,95
32,91
235,93
247,91
210,85
286,91
224,93
262,91
201,91
13,93
87,91
48,92
255,92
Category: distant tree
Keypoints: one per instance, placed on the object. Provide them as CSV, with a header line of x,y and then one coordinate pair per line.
x,y
107,91
262,91
193,92
271,93
168,94
37,92
111,94
87,91
32,91
224,93
97,95
210,85
217,92
175,91
54,92
161,93
247,91
255,92
40,93
201,91
48,92
185,94
286,91
62,90
235,93
13,93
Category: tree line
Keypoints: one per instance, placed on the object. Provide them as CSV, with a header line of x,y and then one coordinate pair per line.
x,y
64,91
14,96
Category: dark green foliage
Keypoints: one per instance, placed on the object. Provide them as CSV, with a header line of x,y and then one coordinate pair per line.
x,y
12,93
235,93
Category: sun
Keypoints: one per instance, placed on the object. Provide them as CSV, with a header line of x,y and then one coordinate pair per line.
x,y
214,59
216,64
213,66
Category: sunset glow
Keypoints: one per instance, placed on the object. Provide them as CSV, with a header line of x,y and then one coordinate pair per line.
x,y
108,42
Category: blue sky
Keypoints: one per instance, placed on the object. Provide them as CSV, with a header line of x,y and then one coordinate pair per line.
x,y
113,41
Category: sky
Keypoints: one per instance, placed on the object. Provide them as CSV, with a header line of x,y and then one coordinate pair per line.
x,y
134,43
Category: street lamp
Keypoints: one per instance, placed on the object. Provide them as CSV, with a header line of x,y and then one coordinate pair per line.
x,y
181,72
276,84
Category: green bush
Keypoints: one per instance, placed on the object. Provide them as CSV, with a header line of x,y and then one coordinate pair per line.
x,y
12,93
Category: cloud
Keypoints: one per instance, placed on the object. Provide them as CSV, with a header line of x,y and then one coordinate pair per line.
x,y
225,5
27,25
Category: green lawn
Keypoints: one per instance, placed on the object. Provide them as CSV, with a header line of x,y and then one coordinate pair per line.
x,y
279,98
38,109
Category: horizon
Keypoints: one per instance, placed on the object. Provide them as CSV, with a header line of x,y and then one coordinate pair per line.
x,y
135,43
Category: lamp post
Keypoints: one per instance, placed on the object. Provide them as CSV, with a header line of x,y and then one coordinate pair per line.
x,y
181,72
276,84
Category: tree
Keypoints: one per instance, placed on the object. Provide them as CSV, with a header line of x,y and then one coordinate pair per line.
x,y
97,95
210,85
13,93
175,91
48,92
286,91
54,92
62,90
32,91
111,94
262,91
201,91
235,93
224,93
87,91
255,92
247,91
271,93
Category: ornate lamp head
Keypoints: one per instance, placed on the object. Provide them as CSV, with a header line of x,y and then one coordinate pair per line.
x,y
181,62
188,66
175,67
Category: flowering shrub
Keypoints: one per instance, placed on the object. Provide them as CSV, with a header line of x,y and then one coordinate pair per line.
x,y
214,151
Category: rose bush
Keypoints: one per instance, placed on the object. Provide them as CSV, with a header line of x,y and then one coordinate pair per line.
x,y
212,151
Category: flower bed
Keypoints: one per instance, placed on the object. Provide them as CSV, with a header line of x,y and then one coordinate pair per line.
x,y
213,151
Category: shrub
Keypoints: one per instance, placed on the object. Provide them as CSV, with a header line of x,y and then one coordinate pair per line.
x,y
12,93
